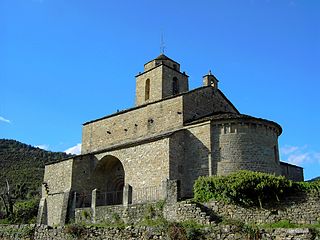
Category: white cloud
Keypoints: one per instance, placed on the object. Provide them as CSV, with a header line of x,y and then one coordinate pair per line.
x,y
288,149
74,150
299,155
43,146
2,119
299,158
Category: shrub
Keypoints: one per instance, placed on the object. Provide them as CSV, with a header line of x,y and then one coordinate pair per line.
x,y
25,211
243,187
308,187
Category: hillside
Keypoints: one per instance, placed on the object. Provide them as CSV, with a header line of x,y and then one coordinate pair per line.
x,y
314,179
23,166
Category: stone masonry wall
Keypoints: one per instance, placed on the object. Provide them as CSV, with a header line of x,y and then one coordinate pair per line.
x,y
299,209
197,154
245,146
204,101
145,166
148,120
161,81
223,232
130,214
152,119
83,169
190,156
177,162
226,232
155,93
186,210
291,172
58,177
167,83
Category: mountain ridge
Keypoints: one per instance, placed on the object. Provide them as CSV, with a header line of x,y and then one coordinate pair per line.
x,y
23,165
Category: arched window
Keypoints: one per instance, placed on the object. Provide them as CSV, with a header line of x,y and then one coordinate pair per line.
x,y
147,90
175,86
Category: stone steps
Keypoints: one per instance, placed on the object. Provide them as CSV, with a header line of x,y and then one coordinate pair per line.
x,y
188,210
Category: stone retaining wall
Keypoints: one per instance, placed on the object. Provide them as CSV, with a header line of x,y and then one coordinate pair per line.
x,y
226,232
131,214
298,210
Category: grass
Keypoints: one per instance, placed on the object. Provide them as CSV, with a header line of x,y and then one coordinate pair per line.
x,y
155,222
280,224
25,232
288,224
107,225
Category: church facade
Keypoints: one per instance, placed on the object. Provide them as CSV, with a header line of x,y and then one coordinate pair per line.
x,y
171,134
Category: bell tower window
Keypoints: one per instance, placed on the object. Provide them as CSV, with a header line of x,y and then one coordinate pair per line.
x,y
175,86
147,90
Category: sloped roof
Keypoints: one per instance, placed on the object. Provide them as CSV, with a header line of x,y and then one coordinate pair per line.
x,y
233,116
162,57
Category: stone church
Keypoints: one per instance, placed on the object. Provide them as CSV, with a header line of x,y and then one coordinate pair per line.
x,y
172,133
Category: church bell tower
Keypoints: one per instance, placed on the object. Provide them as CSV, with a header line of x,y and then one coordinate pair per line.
x,y
161,78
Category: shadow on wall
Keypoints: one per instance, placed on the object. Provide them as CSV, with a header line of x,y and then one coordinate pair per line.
x,y
106,175
189,159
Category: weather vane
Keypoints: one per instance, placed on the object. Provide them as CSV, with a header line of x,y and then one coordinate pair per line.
x,y
162,46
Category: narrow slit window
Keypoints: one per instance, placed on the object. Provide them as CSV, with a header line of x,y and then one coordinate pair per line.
x,y
147,90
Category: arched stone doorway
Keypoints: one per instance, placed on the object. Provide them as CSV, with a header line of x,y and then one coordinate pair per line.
x,y
108,179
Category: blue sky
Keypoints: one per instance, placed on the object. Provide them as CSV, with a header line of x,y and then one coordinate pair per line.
x,y
65,62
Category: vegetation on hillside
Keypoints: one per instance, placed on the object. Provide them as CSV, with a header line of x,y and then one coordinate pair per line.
x,y
314,179
21,175
250,188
